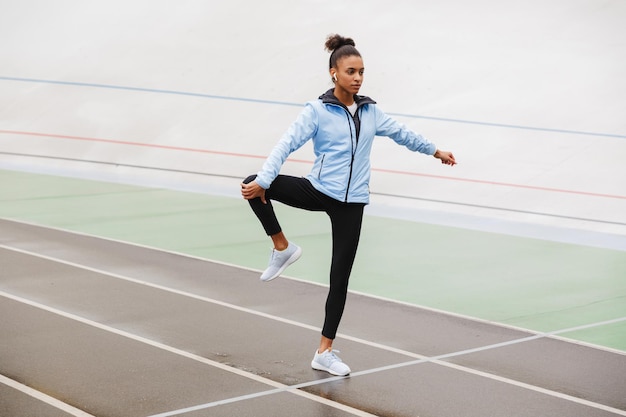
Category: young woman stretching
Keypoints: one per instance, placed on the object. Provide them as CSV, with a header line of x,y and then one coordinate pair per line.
x,y
342,126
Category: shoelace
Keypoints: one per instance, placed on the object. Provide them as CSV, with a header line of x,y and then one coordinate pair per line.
x,y
334,357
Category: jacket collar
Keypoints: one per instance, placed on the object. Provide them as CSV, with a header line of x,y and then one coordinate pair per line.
x,y
329,98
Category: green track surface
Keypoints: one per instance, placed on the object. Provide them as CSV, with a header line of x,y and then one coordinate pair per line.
x,y
529,283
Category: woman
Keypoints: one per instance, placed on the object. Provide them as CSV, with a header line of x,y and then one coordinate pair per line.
x,y
342,126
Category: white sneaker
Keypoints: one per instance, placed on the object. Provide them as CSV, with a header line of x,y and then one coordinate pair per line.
x,y
281,259
329,362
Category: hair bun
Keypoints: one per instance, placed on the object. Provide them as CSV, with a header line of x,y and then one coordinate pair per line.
x,y
334,42
339,48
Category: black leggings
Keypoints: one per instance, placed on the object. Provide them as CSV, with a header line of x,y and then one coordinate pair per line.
x,y
346,220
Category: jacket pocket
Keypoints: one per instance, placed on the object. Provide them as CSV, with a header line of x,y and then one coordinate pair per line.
x,y
319,173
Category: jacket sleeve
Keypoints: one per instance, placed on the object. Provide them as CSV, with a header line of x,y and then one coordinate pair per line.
x,y
300,131
386,126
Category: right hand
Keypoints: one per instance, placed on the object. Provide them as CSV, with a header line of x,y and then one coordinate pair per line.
x,y
253,190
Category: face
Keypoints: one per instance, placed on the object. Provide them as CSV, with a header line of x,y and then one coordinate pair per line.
x,y
349,74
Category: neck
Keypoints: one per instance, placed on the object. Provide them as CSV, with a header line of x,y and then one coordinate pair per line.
x,y
343,96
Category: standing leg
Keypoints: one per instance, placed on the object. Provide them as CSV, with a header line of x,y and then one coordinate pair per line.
x,y
346,223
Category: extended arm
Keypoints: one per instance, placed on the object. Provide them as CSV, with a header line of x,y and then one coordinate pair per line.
x,y
386,126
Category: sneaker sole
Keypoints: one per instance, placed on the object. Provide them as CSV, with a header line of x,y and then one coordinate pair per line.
x,y
291,260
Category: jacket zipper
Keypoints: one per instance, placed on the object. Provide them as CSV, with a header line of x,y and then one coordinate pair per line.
x,y
353,146
330,99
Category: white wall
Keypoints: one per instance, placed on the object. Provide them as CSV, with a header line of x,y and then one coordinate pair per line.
x,y
188,67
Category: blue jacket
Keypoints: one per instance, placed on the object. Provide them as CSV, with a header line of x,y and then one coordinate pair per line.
x,y
342,145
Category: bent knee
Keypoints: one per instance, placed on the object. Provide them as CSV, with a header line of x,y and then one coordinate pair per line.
x,y
249,179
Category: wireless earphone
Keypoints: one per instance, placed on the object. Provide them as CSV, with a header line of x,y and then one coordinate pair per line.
x,y
335,77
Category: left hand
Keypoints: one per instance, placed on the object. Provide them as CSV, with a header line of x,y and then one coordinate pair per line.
x,y
446,157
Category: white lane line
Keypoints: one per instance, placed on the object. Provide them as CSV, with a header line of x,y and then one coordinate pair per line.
x,y
210,300
278,387
212,261
251,311
40,396
439,361
296,389
420,358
